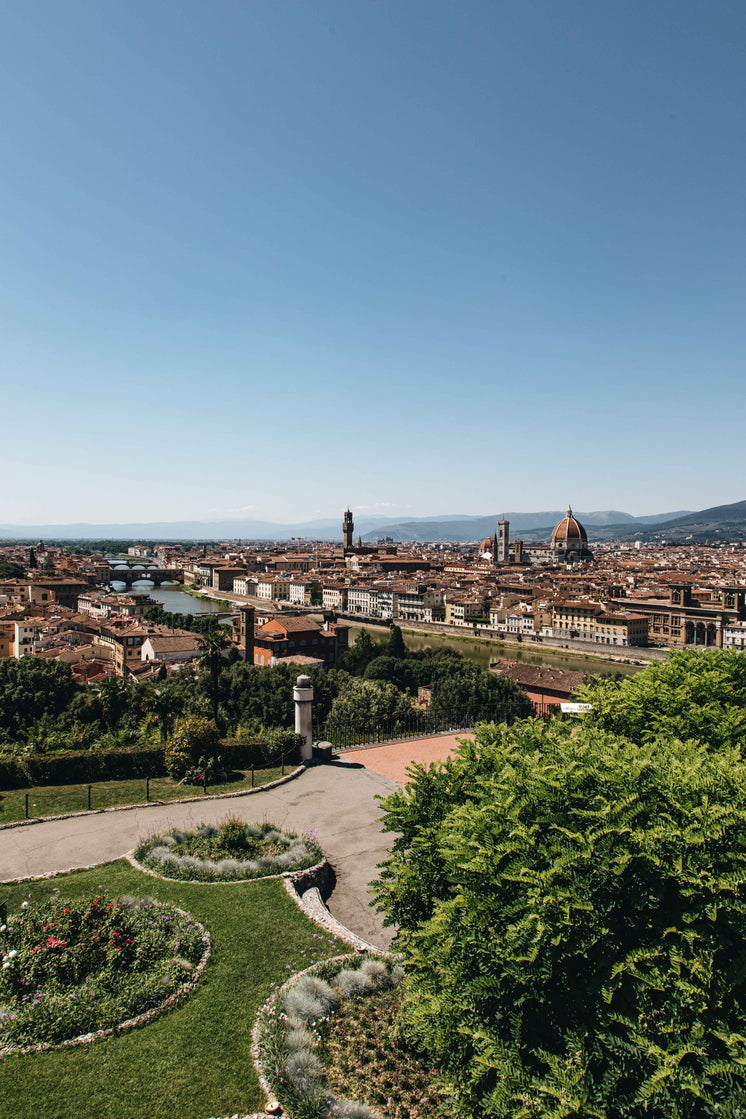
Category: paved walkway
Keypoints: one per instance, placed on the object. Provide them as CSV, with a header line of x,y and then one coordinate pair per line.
x,y
392,760
338,802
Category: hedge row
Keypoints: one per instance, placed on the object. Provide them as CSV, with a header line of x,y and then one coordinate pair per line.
x,y
77,768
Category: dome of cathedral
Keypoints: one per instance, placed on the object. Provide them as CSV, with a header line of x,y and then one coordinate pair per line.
x,y
486,545
569,531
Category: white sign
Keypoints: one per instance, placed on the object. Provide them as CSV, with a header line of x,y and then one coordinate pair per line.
x,y
575,708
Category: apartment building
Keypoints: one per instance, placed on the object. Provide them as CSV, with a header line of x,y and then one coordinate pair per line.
x,y
282,637
621,629
575,619
334,596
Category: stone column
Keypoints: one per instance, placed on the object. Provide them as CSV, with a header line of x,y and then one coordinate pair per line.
x,y
303,697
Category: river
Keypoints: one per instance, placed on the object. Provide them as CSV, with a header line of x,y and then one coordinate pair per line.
x,y
485,651
173,600
177,602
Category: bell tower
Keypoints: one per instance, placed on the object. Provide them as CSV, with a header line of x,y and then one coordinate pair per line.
x,y
348,528
503,541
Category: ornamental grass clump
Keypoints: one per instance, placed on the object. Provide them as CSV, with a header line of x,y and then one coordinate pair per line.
x,y
230,851
294,1025
75,967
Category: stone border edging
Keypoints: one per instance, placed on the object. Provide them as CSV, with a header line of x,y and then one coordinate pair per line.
x,y
312,904
152,804
131,1023
286,874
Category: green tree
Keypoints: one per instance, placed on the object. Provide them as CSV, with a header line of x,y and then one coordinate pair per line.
x,y
393,670
113,698
162,707
462,683
369,703
31,689
356,659
573,919
213,647
11,570
194,749
700,695
395,645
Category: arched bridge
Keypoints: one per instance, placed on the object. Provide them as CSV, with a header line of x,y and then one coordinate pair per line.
x,y
156,575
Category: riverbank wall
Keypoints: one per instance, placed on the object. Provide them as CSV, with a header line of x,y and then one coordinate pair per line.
x,y
622,654
625,654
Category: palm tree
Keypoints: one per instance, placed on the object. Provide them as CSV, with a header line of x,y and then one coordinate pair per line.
x,y
212,645
113,695
162,706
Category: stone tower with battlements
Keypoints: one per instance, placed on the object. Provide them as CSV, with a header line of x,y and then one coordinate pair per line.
x,y
348,528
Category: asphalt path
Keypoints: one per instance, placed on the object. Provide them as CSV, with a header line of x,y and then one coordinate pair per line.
x,y
339,803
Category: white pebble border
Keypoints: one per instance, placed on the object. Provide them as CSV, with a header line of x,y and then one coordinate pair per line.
x,y
204,798
310,901
131,1023
130,857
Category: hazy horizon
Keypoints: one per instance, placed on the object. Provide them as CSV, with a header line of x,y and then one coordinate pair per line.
x,y
267,260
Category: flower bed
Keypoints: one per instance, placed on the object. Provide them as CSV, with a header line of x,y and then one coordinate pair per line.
x,y
75,968
304,1028
231,851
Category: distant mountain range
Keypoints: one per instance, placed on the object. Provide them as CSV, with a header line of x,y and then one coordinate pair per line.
x,y
606,524
326,529
531,527
720,523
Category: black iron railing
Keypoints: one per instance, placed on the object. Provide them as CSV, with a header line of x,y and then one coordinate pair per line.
x,y
420,724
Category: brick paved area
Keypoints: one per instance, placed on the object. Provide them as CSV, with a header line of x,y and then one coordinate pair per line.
x,y
393,759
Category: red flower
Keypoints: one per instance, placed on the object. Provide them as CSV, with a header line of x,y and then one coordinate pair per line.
x,y
65,910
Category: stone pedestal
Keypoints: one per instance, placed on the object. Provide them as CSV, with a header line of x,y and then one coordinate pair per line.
x,y
303,697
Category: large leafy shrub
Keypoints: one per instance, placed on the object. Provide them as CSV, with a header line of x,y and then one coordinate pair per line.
x,y
573,919
194,749
698,695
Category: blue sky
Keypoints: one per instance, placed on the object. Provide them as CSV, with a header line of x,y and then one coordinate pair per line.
x,y
268,258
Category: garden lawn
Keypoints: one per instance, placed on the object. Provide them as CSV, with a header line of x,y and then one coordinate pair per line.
x,y
195,1060
56,800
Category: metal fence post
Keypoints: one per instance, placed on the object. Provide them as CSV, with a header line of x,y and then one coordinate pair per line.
x,y
27,796
147,788
89,798
252,775
204,783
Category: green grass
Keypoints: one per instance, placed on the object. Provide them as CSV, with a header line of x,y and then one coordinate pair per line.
x,y
194,1061
54,800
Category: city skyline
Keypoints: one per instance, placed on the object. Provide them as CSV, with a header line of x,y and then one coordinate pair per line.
x,y
258,260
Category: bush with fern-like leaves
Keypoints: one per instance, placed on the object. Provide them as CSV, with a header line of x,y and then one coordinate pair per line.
x,y
573,919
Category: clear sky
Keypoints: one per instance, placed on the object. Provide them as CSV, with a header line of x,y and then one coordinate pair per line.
x,y
268,258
